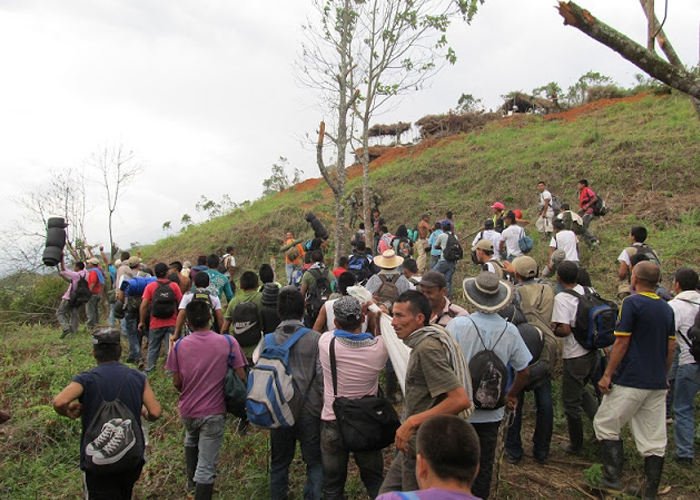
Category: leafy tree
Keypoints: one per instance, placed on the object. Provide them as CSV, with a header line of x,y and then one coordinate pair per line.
x,y
185,220
167,226
358,56
551,91
577,92
467,103
279,180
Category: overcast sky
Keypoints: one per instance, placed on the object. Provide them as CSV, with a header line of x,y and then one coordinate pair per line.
x,y
204,91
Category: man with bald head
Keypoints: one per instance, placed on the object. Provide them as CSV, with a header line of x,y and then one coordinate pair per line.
x,y
635,381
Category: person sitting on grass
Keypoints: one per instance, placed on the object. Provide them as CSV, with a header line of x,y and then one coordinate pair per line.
x,y
447,461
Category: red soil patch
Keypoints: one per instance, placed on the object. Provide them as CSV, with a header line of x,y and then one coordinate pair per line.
x,y
574,113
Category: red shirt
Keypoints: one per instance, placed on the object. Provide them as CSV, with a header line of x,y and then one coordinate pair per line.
x,y
93,280
587,195
338,271
148,295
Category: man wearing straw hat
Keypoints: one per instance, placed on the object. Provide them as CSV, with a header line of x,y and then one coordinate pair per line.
x,y
481,330
389,283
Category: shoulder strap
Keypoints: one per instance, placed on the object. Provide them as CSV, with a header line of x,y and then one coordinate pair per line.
x,y
231,356
572,292
334,374
482,338
289,343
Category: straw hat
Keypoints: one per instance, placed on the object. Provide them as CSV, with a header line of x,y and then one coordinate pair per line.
x,y
388,260
487,293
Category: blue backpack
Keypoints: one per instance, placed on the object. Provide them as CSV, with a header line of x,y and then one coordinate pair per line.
x,y
271,386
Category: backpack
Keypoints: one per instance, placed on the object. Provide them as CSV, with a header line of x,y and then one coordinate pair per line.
x,y
571,224
113,441
556,204
296,277
223,264
500,268
164,304
404,247
317,295
489,375
359,266
271,386
595,320
645,249
453,250
235,393
80,294
692,336
525,242
475,260
293,253
388,291
599,207
245,319
534,340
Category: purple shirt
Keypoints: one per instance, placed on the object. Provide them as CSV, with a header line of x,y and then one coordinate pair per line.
x,y
431,494
201,361
74,277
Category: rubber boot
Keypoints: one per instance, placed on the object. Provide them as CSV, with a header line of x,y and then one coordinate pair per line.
x,y
191,454
204,491
575,446
653,466
611,453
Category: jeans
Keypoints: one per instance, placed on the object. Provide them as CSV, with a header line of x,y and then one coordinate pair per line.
x,y
112,319
672,381
448,269
111,486
64,312
130,329
207,434
306,430
433,261
488,437
544,424
289,269
335,464
92,308
401,475
687,386
155,339
587,235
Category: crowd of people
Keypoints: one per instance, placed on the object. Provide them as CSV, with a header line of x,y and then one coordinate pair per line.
x,y
468,373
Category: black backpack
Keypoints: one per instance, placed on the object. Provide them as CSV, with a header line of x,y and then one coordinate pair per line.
x,y
359,266
453,250
113,441
599,207
404,247
80,294
163,304
489,376
645,249
245,319
317,295
534,340
595,320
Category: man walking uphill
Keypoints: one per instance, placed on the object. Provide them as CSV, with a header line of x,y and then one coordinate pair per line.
x,y
162,296
635,382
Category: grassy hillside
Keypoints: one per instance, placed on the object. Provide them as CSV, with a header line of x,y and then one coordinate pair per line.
x,y
642,154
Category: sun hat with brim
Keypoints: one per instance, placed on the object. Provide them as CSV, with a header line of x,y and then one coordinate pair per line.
x,y
93,261
132,261
487,293
388,260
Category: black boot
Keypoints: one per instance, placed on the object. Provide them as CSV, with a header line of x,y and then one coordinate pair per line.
x,y
653,465
204,491
575,446
191,454
611,453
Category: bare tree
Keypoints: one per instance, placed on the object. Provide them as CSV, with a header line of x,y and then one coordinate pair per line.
x,y
62,195
118,167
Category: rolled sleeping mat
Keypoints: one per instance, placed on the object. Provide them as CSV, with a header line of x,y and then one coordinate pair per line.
x,y
290,245
317,226
52,256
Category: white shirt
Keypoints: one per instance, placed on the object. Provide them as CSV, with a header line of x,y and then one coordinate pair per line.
x,y
188,296
564,312
684,313
566,240
546,195
491,235
511,235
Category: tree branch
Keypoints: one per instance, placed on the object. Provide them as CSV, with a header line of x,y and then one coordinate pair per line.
x,y
319,159
647,61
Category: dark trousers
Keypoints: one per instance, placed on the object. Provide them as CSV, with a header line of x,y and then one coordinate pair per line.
x,y
111,486
488,438
544,424
306,430
335,464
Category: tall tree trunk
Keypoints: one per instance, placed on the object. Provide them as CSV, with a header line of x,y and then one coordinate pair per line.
x,y
649,62
367,209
